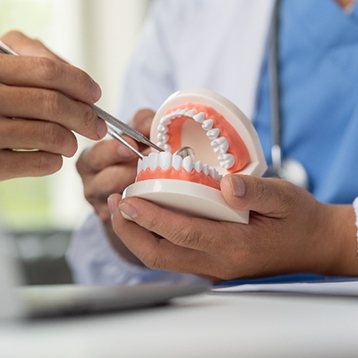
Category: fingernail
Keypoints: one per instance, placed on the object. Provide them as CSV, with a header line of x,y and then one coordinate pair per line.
x,y
127,210
101,128
111,204
238,186
125,152
96,91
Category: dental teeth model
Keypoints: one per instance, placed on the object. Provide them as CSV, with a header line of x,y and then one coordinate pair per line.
x,y
166,165
224,141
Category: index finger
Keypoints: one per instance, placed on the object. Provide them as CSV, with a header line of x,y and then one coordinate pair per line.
x,y
181,230
42,72
44,69
23,45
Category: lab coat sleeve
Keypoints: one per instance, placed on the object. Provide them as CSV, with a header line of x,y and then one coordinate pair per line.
x,y
150,77
149,80
93,261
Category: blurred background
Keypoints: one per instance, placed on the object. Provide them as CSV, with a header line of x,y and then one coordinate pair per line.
x,y
98,36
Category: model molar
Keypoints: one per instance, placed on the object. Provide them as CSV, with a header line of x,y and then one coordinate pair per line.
x,y
165,165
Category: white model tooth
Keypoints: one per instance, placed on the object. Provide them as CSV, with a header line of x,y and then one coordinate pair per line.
x,y
207,124
165,160
213,133
165,120
139,165
177,162
177,113
220,145
167,147
190,113
153,160
145,163
162,137
162,129
199,117
188,164
225,156
205,169
212,172
198,166
226,160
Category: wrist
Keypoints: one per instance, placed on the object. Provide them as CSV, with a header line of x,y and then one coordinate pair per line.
x,y
340,236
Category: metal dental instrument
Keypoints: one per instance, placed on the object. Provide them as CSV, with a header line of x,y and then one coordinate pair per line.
x,y
114,134
112,122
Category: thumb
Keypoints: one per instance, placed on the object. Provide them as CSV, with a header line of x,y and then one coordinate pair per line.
x,y
263,195
142,121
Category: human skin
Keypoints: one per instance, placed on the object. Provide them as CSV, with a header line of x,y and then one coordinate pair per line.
x,y
109,167
42,100
289,230
345,4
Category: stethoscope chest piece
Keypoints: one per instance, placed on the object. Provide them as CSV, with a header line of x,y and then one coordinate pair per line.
x,y
294,172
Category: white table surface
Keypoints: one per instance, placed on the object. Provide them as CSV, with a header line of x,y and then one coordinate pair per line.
x,y
226,325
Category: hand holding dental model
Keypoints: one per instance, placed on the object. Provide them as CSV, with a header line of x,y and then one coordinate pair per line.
x,y
42,100
223,140
289,230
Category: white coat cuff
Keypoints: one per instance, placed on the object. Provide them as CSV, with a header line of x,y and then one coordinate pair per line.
x,y
94,262
355,206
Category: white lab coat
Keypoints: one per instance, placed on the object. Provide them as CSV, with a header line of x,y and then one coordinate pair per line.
x,y
213,44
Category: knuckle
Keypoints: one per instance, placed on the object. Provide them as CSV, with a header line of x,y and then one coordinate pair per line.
x,y
188,236
54,135
14,34
141,118
81,162
153,261
260,190
102,212
51,102
83,77
88,194
89,161
60,139
94,161
287,195
153,223
49,70
38,42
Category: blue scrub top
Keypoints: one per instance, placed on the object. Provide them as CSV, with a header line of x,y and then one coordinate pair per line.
x,y
319,101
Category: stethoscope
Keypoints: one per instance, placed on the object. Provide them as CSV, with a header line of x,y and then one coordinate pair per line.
x,y
288,169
